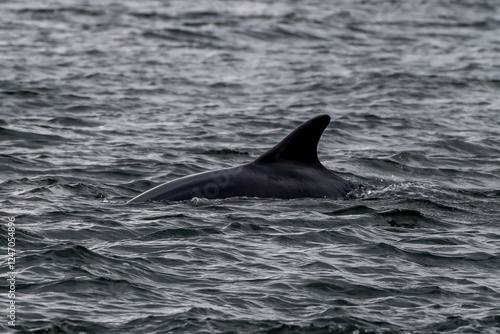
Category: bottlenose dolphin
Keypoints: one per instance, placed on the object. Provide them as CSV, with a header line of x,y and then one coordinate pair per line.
x,y
290,169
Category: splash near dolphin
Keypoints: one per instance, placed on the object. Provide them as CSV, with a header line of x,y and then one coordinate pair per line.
x,y
291,169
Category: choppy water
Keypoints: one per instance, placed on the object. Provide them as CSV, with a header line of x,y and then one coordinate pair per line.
x,y
101,100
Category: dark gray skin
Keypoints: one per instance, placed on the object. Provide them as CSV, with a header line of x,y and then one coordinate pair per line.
x,y
291,169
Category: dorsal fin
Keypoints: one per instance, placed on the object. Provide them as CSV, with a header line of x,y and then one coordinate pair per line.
x,y
299,146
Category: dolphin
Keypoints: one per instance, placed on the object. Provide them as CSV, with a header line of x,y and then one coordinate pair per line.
x,y
290,169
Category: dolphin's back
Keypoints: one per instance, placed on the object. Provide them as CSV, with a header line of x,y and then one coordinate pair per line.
x,y
291,169
213,184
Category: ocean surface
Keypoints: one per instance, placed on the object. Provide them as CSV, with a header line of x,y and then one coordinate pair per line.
x,y
102,100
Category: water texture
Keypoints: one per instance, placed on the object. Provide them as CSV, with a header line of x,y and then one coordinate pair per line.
x,y
101,100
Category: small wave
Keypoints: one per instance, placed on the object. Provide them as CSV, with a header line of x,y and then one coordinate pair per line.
x,y
181,233
459,324
224,151
30,137
397,190
73,122
182,35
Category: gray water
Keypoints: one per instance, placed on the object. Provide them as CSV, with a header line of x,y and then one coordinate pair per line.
x,y
102,100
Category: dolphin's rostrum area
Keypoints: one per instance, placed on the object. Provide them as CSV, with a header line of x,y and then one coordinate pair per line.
x,y
290,169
